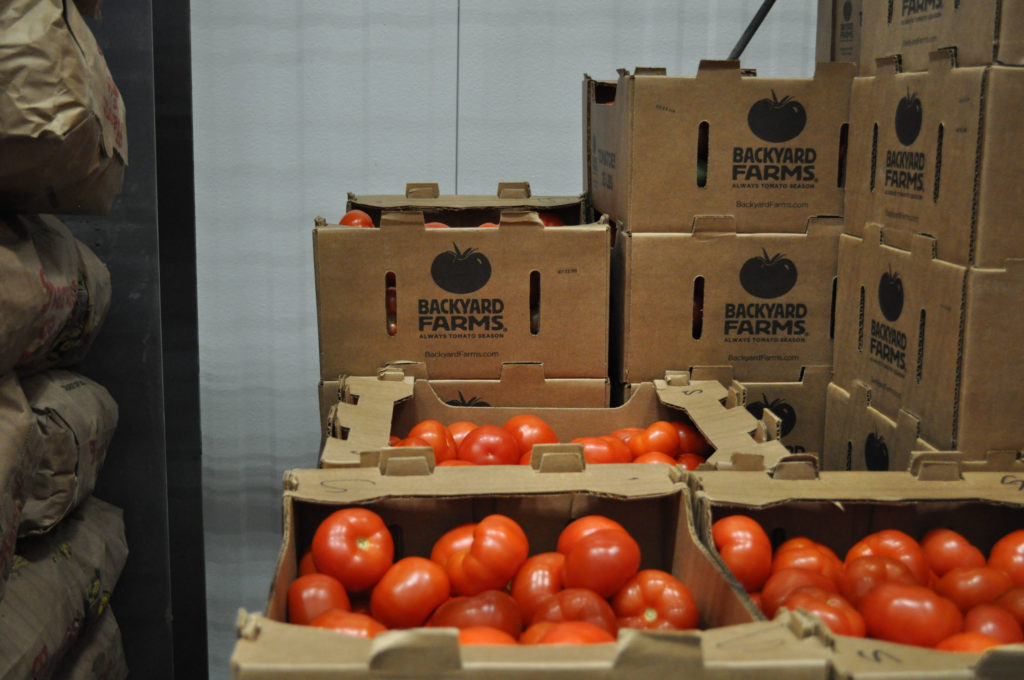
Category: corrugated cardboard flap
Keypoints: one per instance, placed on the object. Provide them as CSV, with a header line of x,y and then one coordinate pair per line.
x,y
723,68
361,421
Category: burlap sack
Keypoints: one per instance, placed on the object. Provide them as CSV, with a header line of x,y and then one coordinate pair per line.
x,y
54,298
76,419
18,460
98,654
62,119
59,584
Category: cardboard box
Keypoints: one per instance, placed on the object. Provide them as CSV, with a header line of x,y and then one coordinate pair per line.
x,y
922,334
761,303
937,152
661,151
839,30
652,504
467,301
377,406
982,32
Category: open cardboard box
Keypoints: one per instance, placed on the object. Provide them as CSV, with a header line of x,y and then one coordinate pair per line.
x,y
662,150
981,31
465,301
839,30
760,302
840,508
374,407
938,152
652,503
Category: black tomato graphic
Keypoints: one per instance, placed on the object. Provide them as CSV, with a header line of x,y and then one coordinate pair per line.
x,y
876,452
775,120
847,10
461,400
890,295
768,277
908,119
460,271
785,412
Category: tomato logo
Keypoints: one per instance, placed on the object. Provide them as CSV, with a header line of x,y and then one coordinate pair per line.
x,y
876,452
890,295
768,277
461,400
777,120
777,406
461,271
847,10
908,119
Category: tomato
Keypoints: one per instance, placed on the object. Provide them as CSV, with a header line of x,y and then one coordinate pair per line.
x,y
492,608
499,548
1013,601
659,436
575,633
459,429
577,604
485,635
911,615
624,433
690,439
945,549
656,457
488,225
757,600
393,439
602,561
551,219
967,642
897,544
620,449
437,436
831,608
783,582
489,445
655,600
813,556
689,461
539,578
580,527
354,546
1008,555
529,430
311,595
535,632
860,576
745,548
455,462
973,585
413,441
436,225
306,564
409,592
598,450
451,542
357,218
993,620
350,623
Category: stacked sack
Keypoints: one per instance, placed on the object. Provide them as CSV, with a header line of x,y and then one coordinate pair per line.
x,y
62,140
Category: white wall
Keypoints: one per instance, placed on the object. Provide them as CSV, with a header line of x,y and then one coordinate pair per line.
x,y
296,103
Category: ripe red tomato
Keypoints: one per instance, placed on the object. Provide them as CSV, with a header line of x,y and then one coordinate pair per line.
x,y
437,436
350,623
911,615
690,439
574,633
357,218
413,441
311,595
783,582
991,619
689,461
577,604
459,429
408,592
602,561
624,433
860,576
451,542
967,642
660,436
485,635
539,578
455,462
598,450
489,445
945,549
499,548
655,600
972,585
492,608
809,555
1013,601
551,219
1008,555
897,544
306,564
745,548
529,430
832,608
354,546
436,225
580,527
656,457
488,225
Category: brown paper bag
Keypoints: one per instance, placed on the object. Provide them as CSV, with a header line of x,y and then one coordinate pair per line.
x,y
98,654
18,460
62,119
76,419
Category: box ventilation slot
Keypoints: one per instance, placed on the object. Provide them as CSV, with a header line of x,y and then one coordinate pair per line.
x,y
874,155
920,347
702,154
534,302
938,165
390,303
832,311
698,307
890,11
860,322
844,137
849,456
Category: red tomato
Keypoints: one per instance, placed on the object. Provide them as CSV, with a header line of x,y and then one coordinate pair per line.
x,y
485,635
993,620
459,429
451,542
391,300
860,576
597,450
1013,601
551,219
306,564
911,615
656,457
455,462
689,461
580,527
489,445
413,441
357,218
757,600
577,604
894,543
393,439
535,632
624,433
575,633
492,608
529,430
655,600
690,439
539,578
499,548
967,642
620,449
660,436
408,592
602,561
436,225
945,549
1008,555
311,595
813,556
745,548
973,585
354,546
488,225
832,608
350,623
783,582
437,437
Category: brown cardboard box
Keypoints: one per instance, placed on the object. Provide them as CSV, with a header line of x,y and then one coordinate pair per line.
x,y
839,30
761,303
392,403
661,151
467,300
652,504
982,32
937,152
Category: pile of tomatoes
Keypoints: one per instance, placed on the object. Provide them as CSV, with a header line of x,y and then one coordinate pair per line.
x,y
481,578
361,218
465,443
941,592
